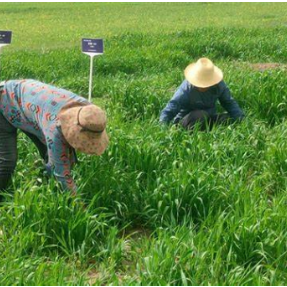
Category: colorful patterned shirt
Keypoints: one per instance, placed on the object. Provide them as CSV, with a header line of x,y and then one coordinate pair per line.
x,y
33,107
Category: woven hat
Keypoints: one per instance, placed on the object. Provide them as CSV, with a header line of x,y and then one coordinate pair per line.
x,y
203,73
84,128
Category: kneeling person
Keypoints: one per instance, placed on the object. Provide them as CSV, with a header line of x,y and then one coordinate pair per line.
x,y
195,100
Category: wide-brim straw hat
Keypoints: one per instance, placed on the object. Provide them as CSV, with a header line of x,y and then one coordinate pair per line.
x,y
84,128
203,73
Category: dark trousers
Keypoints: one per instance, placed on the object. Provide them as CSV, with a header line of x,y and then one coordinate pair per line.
x,y
204,120
8,150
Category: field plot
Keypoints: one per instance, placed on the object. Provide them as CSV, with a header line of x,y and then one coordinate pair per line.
x,y
163,206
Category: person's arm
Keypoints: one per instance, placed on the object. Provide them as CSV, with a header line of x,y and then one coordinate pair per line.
x,y
178,101
60,160
229,104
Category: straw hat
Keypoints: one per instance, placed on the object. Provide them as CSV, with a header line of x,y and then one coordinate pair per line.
x,y
84,128
203,73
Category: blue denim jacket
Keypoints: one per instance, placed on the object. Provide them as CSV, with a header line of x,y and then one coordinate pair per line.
x,y
188,98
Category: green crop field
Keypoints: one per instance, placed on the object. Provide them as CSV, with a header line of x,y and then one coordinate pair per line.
x,y
163,205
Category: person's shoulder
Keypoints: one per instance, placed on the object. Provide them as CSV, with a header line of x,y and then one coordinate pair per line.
x,y
186,86
221,86
186,83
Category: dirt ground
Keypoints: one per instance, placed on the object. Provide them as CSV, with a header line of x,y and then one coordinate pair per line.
x,y
267,66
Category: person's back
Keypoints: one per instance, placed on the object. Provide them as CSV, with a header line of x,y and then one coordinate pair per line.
x,y
33,106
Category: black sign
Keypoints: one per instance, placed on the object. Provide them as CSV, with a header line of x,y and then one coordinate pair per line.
x,y
93,46
5,37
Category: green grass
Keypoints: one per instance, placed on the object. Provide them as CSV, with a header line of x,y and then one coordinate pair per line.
x,y
163,206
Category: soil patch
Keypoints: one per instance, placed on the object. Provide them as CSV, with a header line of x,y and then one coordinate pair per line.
x,y
267,66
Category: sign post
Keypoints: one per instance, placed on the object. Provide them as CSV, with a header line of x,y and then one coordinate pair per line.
x,y
92,48
5,39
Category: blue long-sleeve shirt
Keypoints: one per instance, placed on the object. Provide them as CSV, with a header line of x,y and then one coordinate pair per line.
x,y
188,98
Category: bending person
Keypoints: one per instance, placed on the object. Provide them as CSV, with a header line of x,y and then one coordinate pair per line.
x,y
57,121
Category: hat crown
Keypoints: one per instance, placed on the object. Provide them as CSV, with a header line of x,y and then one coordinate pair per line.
x,y
205,68
93,118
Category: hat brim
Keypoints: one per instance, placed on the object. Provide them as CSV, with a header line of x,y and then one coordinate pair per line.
x,y
84,141
191,76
